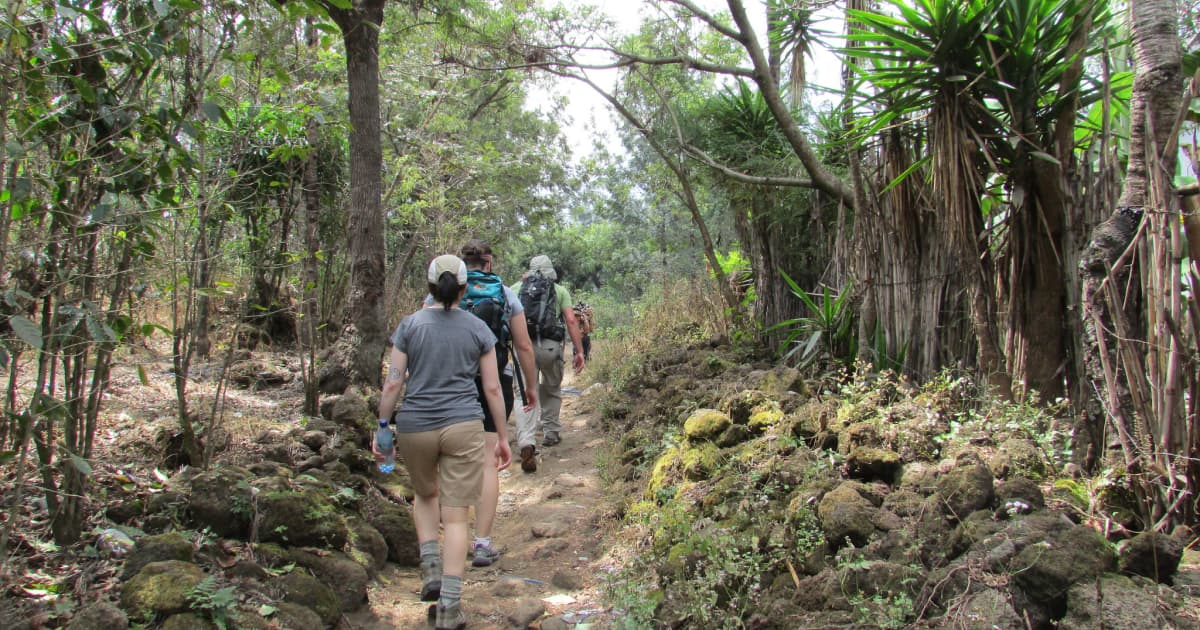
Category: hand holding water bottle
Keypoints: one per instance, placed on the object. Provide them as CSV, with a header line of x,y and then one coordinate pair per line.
x,y
384,447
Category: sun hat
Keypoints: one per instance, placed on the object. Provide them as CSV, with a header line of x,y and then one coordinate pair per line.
x,y
447,263
541,264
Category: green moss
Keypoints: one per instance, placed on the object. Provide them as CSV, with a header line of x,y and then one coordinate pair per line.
x,y
687,462
765,416
706,424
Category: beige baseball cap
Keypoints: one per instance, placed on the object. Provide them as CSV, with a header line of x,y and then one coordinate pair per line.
x,y
447,263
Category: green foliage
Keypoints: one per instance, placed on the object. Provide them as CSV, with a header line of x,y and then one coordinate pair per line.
x,y
883,611
827,332
215,600
716,545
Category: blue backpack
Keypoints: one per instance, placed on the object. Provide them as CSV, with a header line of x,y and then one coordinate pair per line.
x,y
485,299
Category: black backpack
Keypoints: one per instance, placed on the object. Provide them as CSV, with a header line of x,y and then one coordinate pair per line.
x,y
485,299
541,308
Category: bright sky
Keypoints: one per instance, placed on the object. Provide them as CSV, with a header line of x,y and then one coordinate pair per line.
x,y
588,116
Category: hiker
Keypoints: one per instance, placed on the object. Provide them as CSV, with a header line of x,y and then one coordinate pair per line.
x,y
438,351
550,319
498,306
587,322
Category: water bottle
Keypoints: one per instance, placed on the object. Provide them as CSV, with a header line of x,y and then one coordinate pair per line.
x,y
385,443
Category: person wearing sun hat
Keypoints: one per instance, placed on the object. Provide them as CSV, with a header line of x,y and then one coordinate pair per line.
x,y
437,352
548,350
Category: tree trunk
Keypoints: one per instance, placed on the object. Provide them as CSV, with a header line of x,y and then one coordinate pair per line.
x,y
360,31
1133,357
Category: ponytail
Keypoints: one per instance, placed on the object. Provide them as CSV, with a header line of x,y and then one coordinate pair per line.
x,y
446,291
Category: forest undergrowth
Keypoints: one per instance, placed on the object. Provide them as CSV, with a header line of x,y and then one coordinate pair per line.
x,y
741,493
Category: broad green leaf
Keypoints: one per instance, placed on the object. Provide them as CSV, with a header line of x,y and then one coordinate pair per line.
x,y
28,331
86,92
214,112
81,465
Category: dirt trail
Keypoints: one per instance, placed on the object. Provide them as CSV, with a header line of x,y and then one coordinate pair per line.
x,y
548,532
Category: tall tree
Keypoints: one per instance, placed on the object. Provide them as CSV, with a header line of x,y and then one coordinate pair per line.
x,y
360,23
1132,301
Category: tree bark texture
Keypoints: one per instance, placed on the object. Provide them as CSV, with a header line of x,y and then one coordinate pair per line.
x,y
360,30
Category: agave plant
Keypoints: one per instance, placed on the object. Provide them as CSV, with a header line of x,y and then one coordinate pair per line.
x,y
826,331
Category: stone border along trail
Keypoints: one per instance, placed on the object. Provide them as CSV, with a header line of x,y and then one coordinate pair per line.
x,y
549,533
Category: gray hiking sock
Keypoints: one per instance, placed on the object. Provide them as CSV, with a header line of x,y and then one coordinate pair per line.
x,y
451,590
431,552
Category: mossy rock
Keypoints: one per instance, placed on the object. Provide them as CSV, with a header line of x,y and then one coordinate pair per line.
x,y
1112,601
1018,457
741,405
859,434
846,515
873,464
168,546
252,620
301,588
368,547
292,616
397,527
188,621
161,589
346,577
1045,570
782,380
681,463
765,416
734,435
300,519
220,499
812,417
706,424
272,555
966,488
99,616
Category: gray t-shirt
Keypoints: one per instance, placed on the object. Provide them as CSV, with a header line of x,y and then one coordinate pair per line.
x,y
443,349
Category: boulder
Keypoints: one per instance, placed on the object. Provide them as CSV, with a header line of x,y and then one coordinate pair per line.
x,y
1152,555
99,616
300,518
368,547
297,617
1046,570
743,404
300,588
846,514
168,546
987,608
220,499
187,621
347,578
706,424
1112,601
160,589
965,489
397,527
873,464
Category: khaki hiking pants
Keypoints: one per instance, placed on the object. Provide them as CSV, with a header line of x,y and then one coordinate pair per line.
x,y
549,355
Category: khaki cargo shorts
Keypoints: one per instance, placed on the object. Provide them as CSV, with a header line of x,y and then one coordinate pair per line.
x,y
447,462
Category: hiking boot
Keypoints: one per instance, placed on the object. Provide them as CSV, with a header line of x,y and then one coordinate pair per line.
x,y
450,617
431,581
529,459
551,439
484,555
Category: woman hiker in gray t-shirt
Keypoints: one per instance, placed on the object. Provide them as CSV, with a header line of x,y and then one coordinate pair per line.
x,y
438,350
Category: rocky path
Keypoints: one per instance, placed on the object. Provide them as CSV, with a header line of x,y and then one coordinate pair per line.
x,y
549,532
